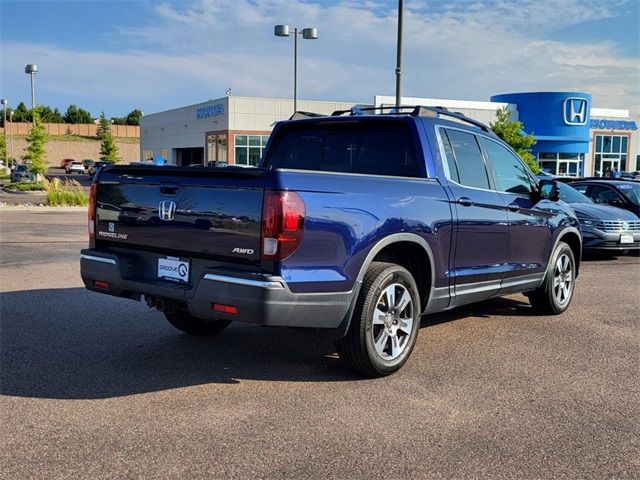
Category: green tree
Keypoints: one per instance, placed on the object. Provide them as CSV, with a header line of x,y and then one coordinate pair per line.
x,y
108,148
77,115
133,118
35,141
118,120
3,151
51,116
512,132
22,113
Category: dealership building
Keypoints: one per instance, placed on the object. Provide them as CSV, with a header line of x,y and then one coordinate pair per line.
x,y
573,138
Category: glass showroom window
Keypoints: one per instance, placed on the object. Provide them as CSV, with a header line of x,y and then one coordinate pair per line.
x,y
147,155
610,153
249,148
217,148
561,164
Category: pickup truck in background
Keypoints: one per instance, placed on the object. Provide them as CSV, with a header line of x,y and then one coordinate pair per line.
x,y
353,225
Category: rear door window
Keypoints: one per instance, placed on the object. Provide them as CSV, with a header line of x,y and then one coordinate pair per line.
x,y
471,169
375,148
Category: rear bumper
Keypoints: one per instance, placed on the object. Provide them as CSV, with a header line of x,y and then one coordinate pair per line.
x,y
259,298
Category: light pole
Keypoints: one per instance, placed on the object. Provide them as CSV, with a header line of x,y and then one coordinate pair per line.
x,y
32,69
4,124
307,34
399,57
11,135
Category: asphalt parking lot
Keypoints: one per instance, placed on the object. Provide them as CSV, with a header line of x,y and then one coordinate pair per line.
x,y
98,387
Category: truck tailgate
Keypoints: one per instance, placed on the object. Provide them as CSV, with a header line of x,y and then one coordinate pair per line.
x,y
162,208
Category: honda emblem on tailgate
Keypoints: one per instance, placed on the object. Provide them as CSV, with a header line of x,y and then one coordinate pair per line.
x,y
167,210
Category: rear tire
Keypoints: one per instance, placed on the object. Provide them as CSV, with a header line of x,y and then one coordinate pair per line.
x,y
195,326
385,322
554,295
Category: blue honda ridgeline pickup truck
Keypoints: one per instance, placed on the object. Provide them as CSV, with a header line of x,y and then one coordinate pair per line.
x,y
353,225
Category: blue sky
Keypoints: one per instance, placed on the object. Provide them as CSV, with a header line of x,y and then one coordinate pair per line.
x,y
119,55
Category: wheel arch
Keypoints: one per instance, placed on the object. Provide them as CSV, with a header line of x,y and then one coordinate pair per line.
x,y
571,236
388,249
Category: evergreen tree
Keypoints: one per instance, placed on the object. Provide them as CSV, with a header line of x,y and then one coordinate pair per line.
x,y
35,149
133,118
77,115
51,116
108,148
21,113
513,134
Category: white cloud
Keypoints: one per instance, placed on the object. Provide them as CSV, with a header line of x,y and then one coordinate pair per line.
x,y
468,50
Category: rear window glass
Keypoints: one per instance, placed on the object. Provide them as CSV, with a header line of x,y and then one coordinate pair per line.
x,y
471,168
632,192
380,148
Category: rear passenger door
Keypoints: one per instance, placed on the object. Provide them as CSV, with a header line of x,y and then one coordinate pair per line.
x,y
481,224
530,233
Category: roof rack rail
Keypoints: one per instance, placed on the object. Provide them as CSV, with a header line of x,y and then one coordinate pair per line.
x,y
301,115
421,111
360,111
417,111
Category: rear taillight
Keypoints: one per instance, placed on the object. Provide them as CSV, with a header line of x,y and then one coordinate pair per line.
x,y
92,210
282,224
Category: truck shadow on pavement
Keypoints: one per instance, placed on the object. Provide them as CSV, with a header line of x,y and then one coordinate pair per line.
x,y
75,344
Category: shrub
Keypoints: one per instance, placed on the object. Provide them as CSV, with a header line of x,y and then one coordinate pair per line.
x,y
67,193
36,155
26,186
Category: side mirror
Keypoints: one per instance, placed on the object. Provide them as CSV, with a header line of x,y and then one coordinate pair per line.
x,y
614,202
548,190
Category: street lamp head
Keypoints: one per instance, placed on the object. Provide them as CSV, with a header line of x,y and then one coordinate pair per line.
x,y
31,68
281,30
310,33
4,101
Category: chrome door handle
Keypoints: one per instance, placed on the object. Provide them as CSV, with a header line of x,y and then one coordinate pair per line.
x,y
514,207
465,202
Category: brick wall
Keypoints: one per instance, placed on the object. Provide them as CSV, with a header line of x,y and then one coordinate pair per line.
x,y
78,150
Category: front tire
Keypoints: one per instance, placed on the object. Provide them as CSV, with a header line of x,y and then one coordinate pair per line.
x,y
385,322
554,295
195,326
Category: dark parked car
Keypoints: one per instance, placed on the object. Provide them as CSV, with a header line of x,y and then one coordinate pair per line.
x,y
603,227
617,193
87,162
94,168
21,174
351,226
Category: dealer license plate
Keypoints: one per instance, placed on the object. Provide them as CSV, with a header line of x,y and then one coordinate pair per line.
x,y
174,268
626,238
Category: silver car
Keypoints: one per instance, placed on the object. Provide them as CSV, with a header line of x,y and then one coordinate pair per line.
x,y
604,227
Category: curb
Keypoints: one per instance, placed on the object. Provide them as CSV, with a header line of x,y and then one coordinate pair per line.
x,y
17,192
